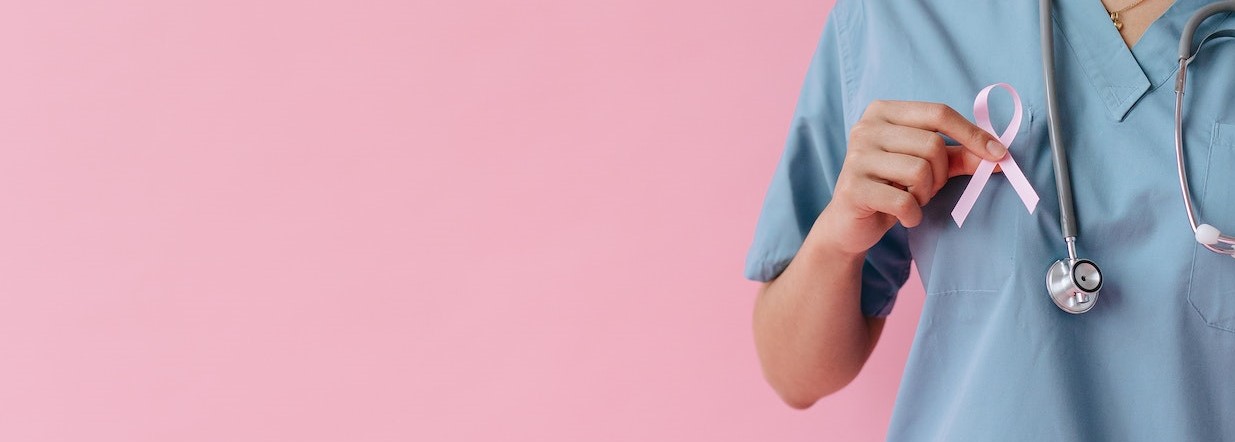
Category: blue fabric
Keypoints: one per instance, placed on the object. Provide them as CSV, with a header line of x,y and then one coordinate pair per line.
x,y
993,358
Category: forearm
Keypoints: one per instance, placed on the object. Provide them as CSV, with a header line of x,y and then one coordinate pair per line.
x,y
809,329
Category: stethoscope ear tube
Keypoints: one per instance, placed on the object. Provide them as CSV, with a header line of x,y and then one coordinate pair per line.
x,y
1206,235
1185,38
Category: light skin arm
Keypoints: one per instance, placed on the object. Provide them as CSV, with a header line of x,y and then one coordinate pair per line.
x,y
809,327
810,333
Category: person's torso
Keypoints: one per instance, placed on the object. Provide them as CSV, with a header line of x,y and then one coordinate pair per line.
x,y
1155,358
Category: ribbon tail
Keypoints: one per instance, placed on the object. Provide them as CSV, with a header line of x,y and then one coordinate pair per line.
x,y
1019,183
972,191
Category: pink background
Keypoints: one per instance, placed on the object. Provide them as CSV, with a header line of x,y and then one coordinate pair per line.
x,y
391,221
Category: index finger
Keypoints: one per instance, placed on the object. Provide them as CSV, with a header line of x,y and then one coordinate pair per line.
x,y
941,118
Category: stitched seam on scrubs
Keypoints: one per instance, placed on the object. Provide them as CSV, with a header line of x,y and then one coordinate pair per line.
x,y
1126,96
904,277
1195,249
1072,49
884,309
1214,144
1165,78
887,296
843,20
770,267
842,46
961,292
1209,157
770,264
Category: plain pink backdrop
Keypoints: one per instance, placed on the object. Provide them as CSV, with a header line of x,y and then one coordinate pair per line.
x,y
390,221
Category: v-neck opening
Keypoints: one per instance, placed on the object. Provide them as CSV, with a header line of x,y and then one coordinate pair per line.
x,y
1102,54
1120,75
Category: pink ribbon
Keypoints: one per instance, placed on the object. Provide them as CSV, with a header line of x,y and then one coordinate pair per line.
x,y
982,115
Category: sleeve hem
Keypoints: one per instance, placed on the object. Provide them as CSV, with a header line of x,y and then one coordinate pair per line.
x,y
766,268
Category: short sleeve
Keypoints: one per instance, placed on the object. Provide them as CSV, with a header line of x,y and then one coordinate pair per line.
x,y
805,179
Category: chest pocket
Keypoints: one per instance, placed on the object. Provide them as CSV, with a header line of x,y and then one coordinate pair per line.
x,y
1212,288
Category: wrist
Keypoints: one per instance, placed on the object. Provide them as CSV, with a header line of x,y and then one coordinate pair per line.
x,y
826,240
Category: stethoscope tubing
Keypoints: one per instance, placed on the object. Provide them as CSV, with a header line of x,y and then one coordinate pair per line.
x,y
1186,55
1063,180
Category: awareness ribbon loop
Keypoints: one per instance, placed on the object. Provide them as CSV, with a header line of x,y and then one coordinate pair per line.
x,y
982,116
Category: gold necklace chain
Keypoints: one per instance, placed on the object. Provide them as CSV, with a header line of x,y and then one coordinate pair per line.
x,y
1119,25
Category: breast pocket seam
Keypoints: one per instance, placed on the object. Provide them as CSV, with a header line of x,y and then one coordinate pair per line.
x,y
962,292
1216,142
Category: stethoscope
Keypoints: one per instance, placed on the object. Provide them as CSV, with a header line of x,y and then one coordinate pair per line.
x,y
1073,283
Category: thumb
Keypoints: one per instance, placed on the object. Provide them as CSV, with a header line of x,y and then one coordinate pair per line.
x,y
963,162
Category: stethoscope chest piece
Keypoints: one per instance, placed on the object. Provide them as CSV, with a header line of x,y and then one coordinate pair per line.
x,y
1073,284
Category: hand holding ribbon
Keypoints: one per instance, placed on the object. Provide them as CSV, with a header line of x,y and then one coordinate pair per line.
x,y
982,117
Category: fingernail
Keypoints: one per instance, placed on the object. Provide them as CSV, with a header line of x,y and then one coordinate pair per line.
x,y
997,150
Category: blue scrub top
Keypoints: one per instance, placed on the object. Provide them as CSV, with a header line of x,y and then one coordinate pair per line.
x,y
993,358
